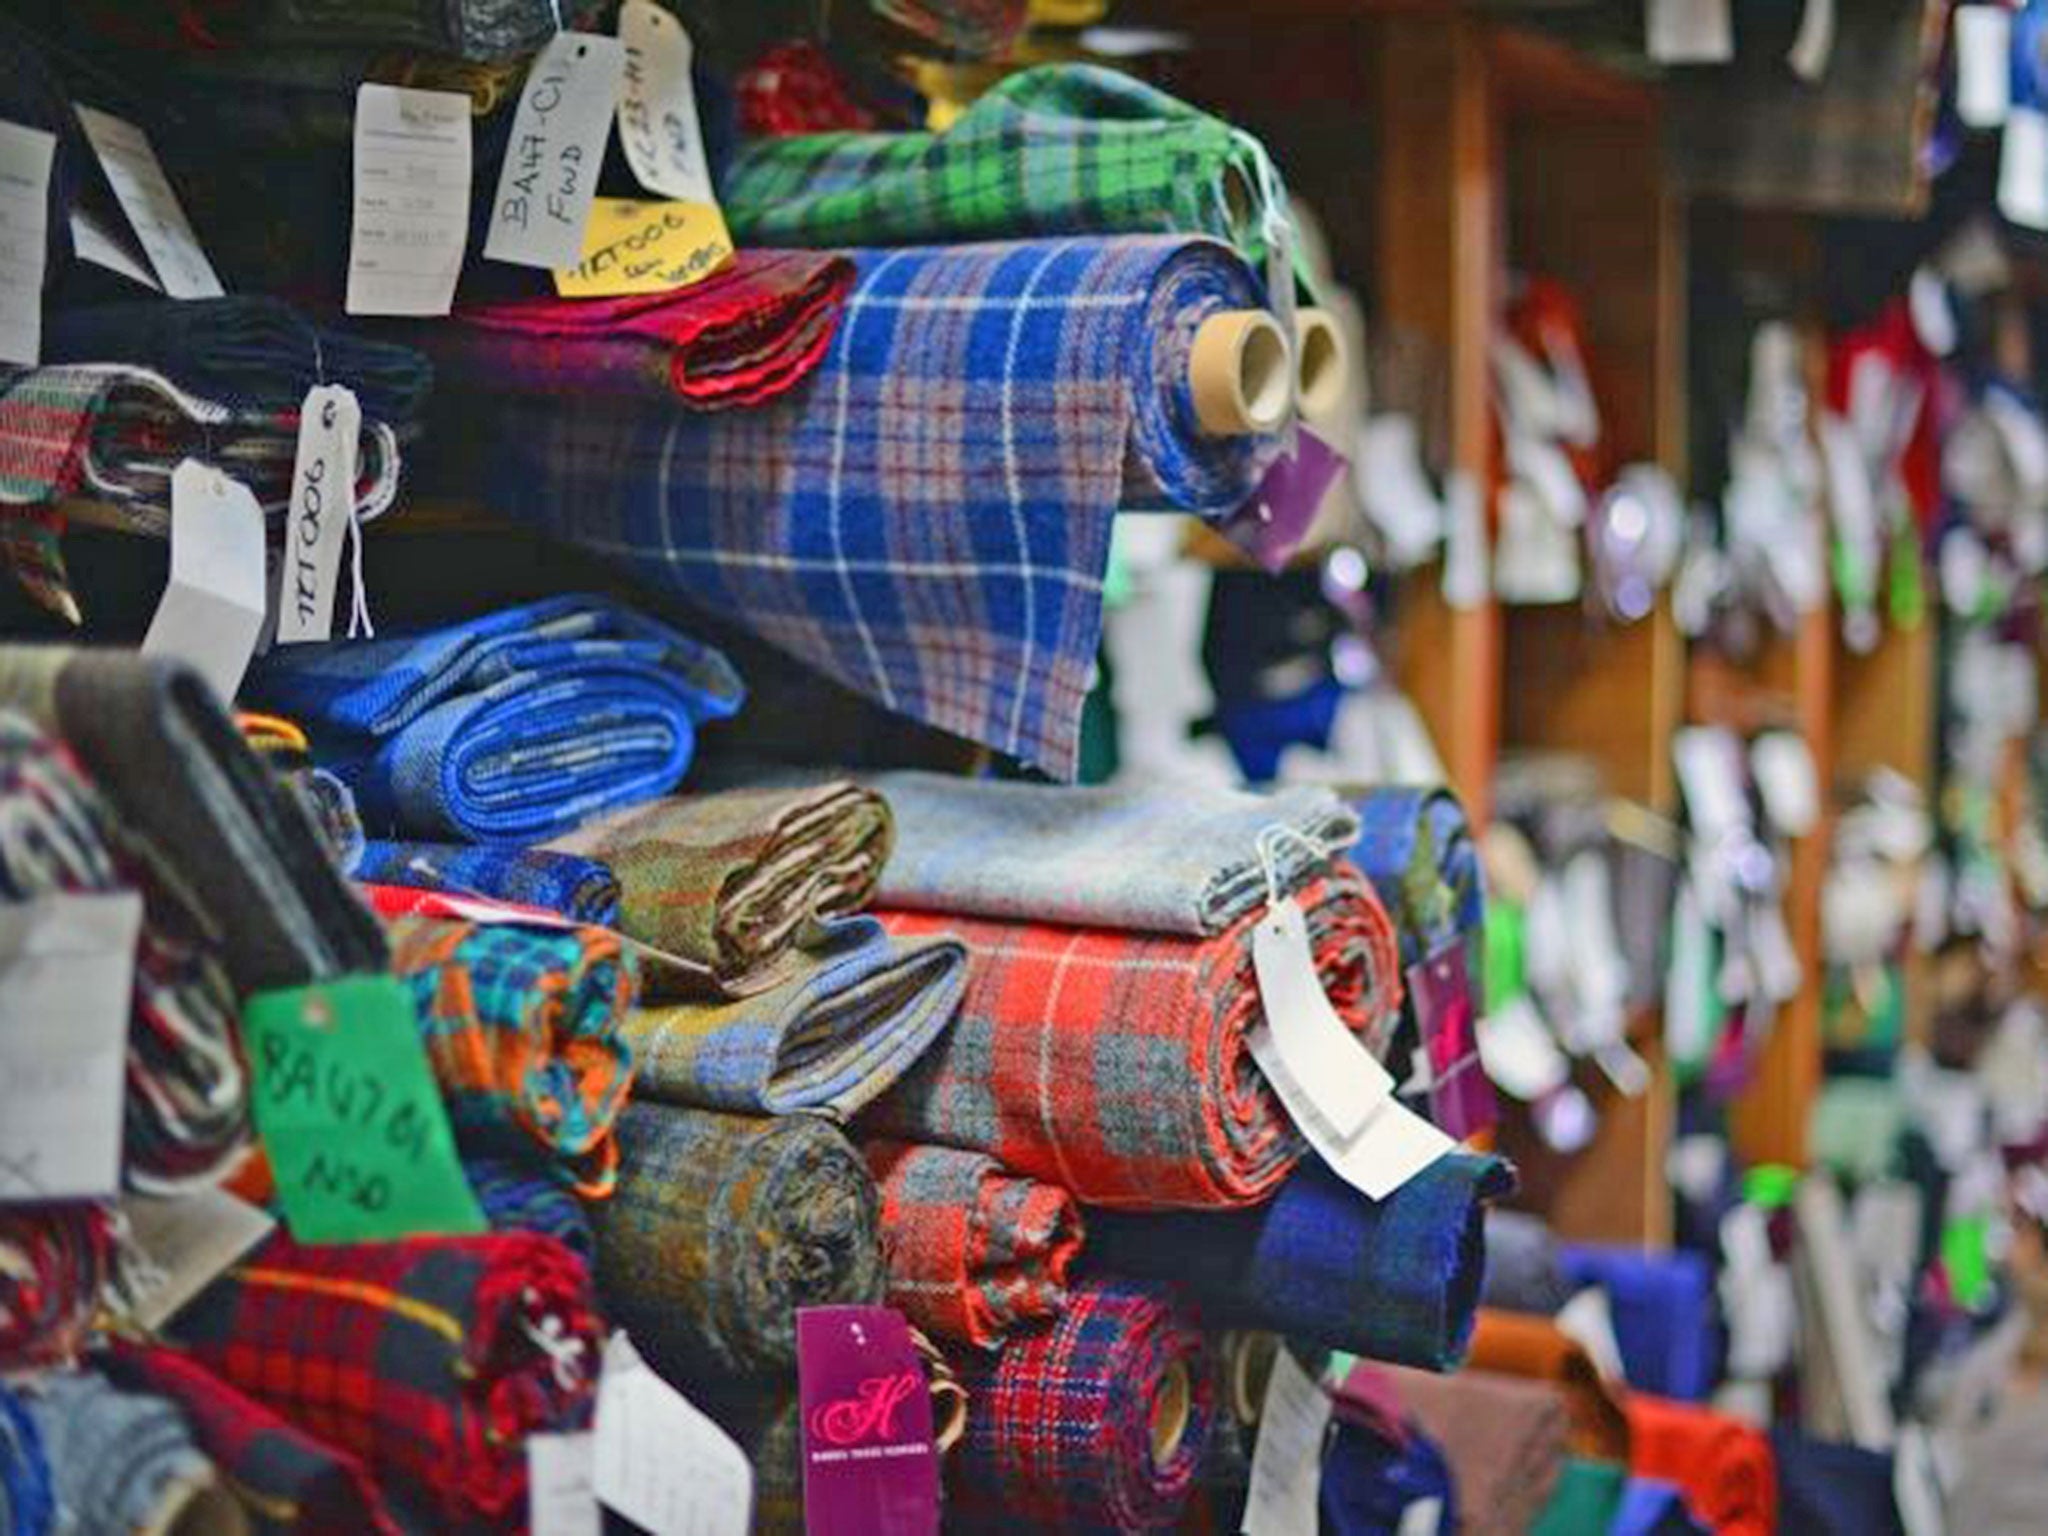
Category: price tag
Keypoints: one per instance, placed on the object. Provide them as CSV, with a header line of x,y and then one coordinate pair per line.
x,y
658,120
560,1498
25,155
1278,517
1287,1461
323,508
661,1462
411,200
1323,1056
212,611
557,149
634,247
870,1468
1815,43
145,195
186,1243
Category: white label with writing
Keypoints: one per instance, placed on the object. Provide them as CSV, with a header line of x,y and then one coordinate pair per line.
x,y
411,216
185,1243
67,975
1689,31
145,195
658,121
1983,64
661,1462
323,507
557,149
2023,168
560,1500
93,241
212,611
1287,1461
25,155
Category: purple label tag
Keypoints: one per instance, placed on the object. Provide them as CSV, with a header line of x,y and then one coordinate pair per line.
x,y
869,1465
1461,1099
1271,526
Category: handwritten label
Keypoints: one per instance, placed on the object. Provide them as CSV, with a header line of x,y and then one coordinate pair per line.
x,y
870,1468
558,138
659,1461
185,1243
560,1500
212,611
635,247
145,195
411,200
658,120
25,155
1287,1461
357,1134
323,507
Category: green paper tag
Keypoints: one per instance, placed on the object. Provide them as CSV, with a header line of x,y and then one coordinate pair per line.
x,y
350,1114
1966,1255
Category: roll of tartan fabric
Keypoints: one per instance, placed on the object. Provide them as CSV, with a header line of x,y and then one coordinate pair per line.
x,y
1117,1065
974,1253
722,1227
55,1260
521,1025
520,1197
431,1359
1096,1424
582,890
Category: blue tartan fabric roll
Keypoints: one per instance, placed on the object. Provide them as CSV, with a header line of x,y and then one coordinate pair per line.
x,y
582,890
1415,847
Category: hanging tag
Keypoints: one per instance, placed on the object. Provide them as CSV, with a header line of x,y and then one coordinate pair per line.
x,y
323,508
1520,1055
870,1468
351,1116
1815,44
145,195
1287,1460
1393,1146
661,1462
1689,31
1983,64
634,247
67,973
557,149
411,200
2023,168
186,1243
560,1497
1395,491
1339,1075
1271,526
1786,780
25,156
658,120
212,610
94,242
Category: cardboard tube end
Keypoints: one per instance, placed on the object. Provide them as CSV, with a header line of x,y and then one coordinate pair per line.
x,y
1320,363
1240,373
1171,1409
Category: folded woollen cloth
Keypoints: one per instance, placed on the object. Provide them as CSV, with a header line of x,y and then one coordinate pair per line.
x,y
123,1461
582,890
521,1026
521,1196
974,1253
730,884
1370,1482
1652,1507
1117,1065
480,30
860,1010
1416,848
1504,1438
1396,1279
1723,1465
743,336
926,522
55,1260
722,1227
1664,1312
1515,1344
430,1360
515,726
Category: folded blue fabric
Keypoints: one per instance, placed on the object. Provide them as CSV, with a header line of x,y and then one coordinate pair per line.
x,y
1664,1315
523,1197
583,890
516,726
1369,1484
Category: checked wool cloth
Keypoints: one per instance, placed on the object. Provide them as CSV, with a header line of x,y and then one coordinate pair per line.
x,y
582,890
430,1360
1117,1065
55,1260
926,521
796,88
521,1026
1060,1423
121,1461
974,1253
520,1196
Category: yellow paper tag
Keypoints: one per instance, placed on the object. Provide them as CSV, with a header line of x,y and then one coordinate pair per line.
x,y
635,247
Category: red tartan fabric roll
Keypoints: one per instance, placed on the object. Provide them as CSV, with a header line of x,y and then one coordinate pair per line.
x,y
1116,1064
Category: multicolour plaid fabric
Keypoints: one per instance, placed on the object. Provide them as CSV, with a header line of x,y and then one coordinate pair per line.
x,y
1416,849
1116,1065
522,1027
968,29
1060,1424
974,1253
856,1016
518,1197
582,890
927,522
430,1360
515,726
722,1227
796,88
55,1261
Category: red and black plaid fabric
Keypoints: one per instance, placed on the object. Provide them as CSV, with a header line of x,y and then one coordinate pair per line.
x,y
288,1481
1116,1064
429,1359
796,88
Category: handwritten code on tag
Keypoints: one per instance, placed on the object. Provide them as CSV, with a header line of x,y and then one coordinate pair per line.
x,y
323,508
25,157
636,247
560,1500
1287,1460
658,121
557,149
659,1461
411,211
145,195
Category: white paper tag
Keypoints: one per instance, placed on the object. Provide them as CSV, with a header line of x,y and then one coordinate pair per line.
x,y
1337,1072
1287,1461
25,155
1689,31
1785,778
93,241
323,507
1588,1320
1815,45
1425,1517
661,1462
186,1244
1983,64
658,121
2023,168
560,1499
1519,1053
557,149
411,216
1393,1146
67,974
212,611
145,195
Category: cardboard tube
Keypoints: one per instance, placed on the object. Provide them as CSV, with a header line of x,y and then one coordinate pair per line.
x,y
1321,363
1239,372
1170,1410
199,1507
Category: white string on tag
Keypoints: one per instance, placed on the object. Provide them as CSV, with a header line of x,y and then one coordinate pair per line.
x,y
1271,838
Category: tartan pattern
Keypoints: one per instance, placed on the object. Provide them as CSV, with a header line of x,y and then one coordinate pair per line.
x,y
582,890
925,523
858,1013
1059,1431
516,725
1116,1065
516,1197
974,1253
795,88
55,1261
421,1358
970,29
522,1028
1416,848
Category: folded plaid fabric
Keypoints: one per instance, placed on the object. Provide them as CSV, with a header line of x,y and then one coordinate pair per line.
x,y
1185,860
286,1480
1116,1065
517,725
974,1253
730,884
1096,1424
581,890
927,522
522,1027
55,1260
28,1499
743,336
1396,1279
122,1461
722,1227
796,88
1416,849
520,1197
430,1359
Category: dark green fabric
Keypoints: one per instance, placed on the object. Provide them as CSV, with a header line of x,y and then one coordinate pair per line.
x,y
1584,1502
